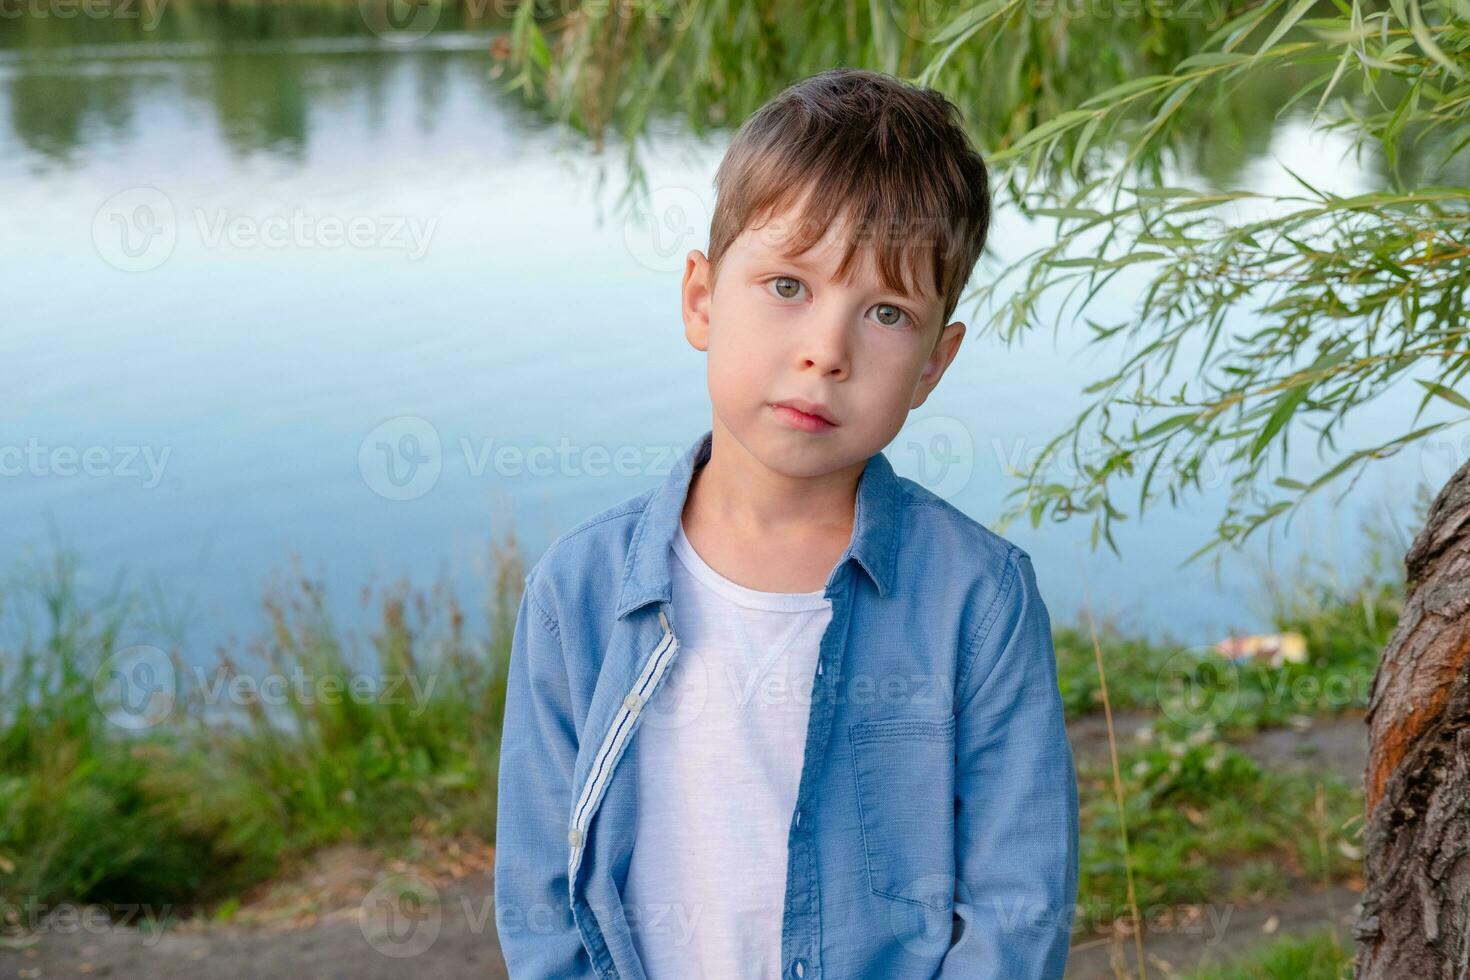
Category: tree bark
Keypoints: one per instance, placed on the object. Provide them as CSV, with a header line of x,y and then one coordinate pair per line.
x,y
1415,918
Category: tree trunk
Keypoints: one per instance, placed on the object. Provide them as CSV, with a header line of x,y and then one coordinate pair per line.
x,y
1415,919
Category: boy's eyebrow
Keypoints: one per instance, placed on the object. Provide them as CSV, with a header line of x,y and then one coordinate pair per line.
x,y
765,254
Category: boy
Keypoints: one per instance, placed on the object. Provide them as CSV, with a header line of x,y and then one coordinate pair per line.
x,y
788,714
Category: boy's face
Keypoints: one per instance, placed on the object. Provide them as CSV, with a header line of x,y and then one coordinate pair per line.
x,y
778,329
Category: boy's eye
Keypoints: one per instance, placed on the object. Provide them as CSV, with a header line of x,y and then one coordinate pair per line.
x,y
890,315
786,287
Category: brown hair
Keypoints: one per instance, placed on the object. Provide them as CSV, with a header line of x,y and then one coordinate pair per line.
x,y
889,155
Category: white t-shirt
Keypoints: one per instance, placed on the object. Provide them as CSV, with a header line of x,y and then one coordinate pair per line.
x,y
719,751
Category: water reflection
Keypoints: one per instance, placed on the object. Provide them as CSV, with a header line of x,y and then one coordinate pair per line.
x,y
255,70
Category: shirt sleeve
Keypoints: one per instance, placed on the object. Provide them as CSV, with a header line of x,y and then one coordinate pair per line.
x,y
1016,822
538,750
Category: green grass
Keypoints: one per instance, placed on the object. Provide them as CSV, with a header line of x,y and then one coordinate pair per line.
x,y
195,809
82,812
1346,627
1205,823
1315,956
223,789
1133,667
419,752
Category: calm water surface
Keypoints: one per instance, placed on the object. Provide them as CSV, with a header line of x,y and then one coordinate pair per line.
x,y
321,295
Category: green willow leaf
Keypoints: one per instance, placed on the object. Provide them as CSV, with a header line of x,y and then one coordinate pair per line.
x,y
1285,406
1448,394
1285,24
1421,34
1167,425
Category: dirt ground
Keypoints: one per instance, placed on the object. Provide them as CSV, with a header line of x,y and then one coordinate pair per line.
x,y
352,916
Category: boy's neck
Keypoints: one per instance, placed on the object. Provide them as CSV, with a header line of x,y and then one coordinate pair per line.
x,y
741,514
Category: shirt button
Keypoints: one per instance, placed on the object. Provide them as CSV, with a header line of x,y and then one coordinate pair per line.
x,y
574,837
633,702
799,968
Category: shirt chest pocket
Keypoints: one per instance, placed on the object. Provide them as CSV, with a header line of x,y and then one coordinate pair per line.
x,y
904,770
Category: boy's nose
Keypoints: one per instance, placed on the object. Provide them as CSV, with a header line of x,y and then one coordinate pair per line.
x,y
825,350
826,365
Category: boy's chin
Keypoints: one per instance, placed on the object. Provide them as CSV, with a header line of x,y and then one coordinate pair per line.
x,y
802,455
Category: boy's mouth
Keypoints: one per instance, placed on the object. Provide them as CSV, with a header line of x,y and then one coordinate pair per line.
x,y
804,415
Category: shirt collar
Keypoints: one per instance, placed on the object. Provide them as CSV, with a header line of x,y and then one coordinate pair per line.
x,y
874,542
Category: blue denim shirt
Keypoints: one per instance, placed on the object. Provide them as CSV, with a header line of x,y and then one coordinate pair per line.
x,y
935,826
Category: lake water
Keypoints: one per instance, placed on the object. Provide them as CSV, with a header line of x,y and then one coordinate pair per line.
x,y
267,296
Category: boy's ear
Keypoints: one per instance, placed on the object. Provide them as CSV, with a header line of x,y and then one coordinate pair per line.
x,y
697,291
945,349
